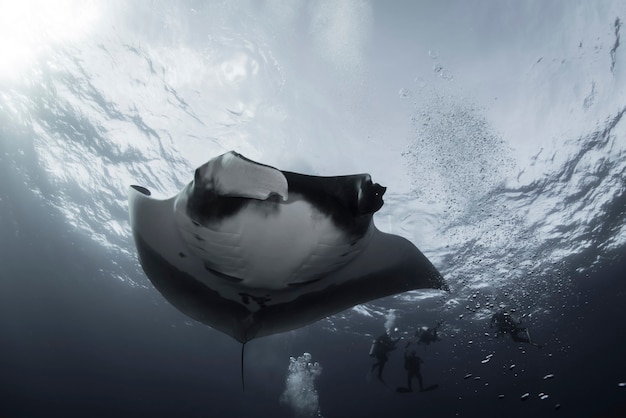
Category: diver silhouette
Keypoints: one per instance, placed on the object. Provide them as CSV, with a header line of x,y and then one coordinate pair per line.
x,y
381,347
425,335
428,335
506,324
413,365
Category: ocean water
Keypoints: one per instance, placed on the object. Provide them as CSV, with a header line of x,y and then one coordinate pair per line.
x,y
497,127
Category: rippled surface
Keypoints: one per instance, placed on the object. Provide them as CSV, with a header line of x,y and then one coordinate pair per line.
x,y
499,130
127,102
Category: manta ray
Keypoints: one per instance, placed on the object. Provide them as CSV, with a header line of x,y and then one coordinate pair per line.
x,y
251,250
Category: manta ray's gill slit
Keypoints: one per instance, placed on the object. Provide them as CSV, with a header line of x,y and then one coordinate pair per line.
x,y
226,277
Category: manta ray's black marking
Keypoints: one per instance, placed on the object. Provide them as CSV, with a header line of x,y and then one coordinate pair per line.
x,y
252,250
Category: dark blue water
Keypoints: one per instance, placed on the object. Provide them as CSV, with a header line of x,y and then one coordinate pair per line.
x,y
76,345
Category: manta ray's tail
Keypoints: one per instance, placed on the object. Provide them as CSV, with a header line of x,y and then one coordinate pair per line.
x,y
243,385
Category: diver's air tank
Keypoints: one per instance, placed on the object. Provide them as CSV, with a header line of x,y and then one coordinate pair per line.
x,y
373,348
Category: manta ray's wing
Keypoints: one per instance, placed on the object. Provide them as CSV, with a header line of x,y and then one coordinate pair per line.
x,y
205,273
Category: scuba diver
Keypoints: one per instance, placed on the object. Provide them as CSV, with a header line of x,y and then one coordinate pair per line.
x,y
425,335
505,324
428,335
381,347
412,365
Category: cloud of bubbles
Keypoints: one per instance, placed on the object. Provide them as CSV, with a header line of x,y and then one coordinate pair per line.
x,y
300,393
390,320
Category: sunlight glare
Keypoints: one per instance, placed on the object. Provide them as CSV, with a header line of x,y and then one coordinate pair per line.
x,y
29,27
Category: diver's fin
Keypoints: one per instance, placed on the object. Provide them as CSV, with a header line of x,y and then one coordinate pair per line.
x,y
429,388
530,340
403,390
